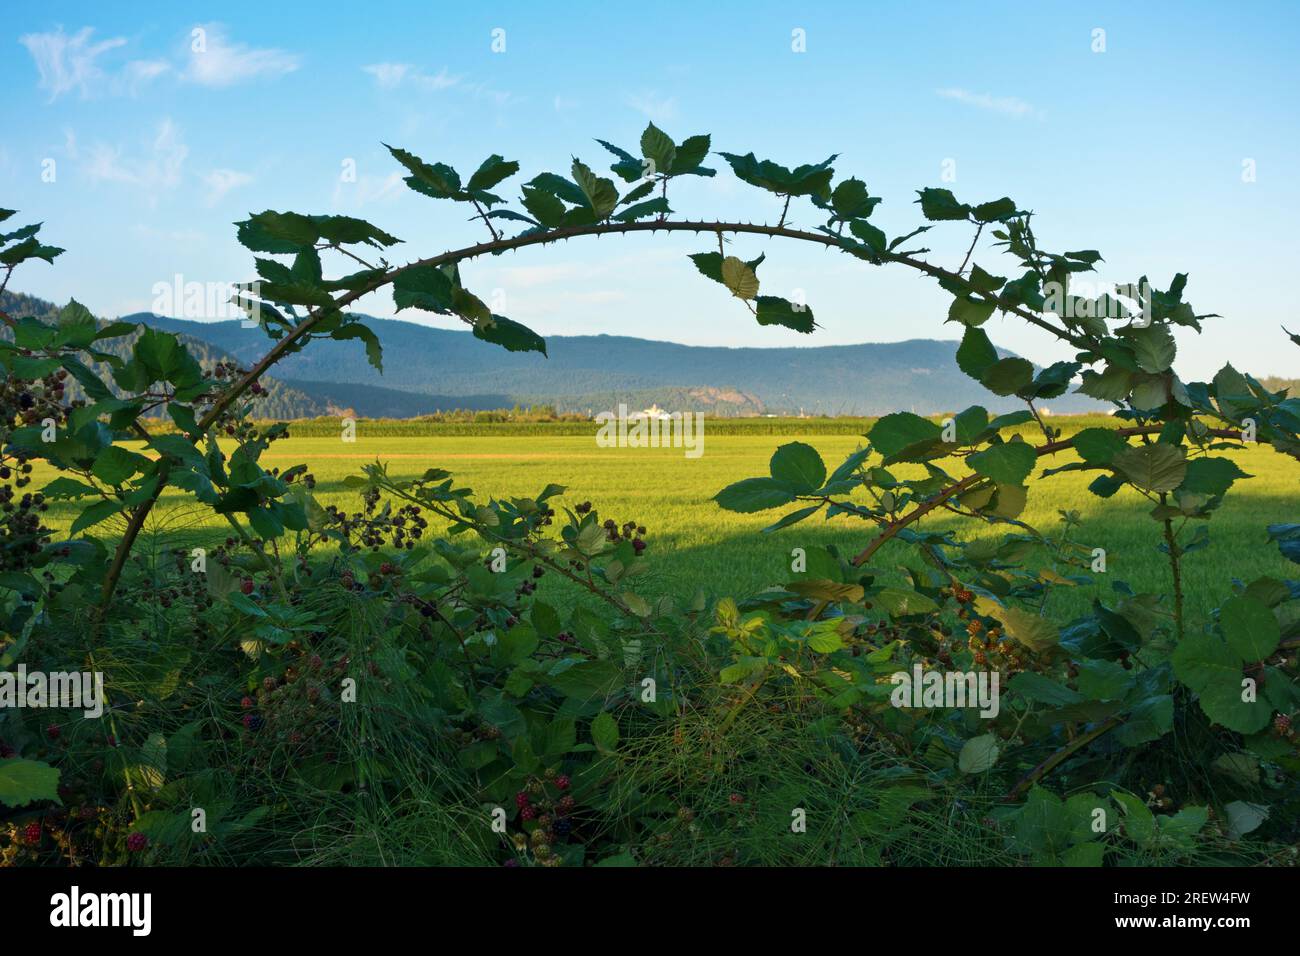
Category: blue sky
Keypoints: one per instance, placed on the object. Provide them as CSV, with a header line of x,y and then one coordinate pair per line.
x,y
1137,151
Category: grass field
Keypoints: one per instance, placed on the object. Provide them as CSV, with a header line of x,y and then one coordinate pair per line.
x,y
697,545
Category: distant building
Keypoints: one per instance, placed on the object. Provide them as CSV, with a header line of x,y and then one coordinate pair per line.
x,y
654,411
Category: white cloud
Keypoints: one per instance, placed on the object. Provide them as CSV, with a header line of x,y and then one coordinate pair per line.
x,y
67,63
221,181
159,169
1007,105
366,190
391,76
657,108
137,73
218,62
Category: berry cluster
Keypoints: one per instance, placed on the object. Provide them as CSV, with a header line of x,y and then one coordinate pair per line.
x,y
373,527
629,531
545,810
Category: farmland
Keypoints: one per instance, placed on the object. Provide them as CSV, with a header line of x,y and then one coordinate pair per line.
x,y
694,544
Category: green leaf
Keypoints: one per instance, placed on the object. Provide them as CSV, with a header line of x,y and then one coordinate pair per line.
x,y
658,147
1008,376
545,207
690,153
115,464
26,781
799,466
96,513
976,354
1213,670
1156,467
1044,690
435,180
1149,720
900,431
1244,818
1211,476
774,310
1113,384
1250,628
1008,464
1035,632
995,211
355,330
755,494
513,336
850,200
1098,446
794,517
587,680
806,180
492,171
738,277
1139,823
938,205
971,312
1153,348
604,732
978,754
601,195
899,602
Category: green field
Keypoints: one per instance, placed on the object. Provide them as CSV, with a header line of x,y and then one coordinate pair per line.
x,y
696,545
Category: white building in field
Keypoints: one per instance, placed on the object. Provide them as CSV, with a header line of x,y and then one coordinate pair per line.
x,y
655,412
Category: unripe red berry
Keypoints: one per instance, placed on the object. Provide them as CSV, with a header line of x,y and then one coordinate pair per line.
x,y
137,842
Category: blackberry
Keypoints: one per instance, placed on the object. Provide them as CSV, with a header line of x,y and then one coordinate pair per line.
x,y
562,827
137,842
253,722
562,782
32,833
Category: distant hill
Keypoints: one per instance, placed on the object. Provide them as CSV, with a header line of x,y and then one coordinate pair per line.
x,y
280,400
446,369
428,369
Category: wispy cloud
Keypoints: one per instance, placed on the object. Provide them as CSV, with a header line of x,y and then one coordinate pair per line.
x,y
215,61
221,181
1007,105
366,190
69,63
657,108
392,76
157,169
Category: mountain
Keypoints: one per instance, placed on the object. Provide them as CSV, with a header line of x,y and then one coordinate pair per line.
x,y
444,369
429,369
279,401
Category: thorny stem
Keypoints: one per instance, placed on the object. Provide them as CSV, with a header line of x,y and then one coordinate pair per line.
x,y
304,328
1046,767
1175,565
921,510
